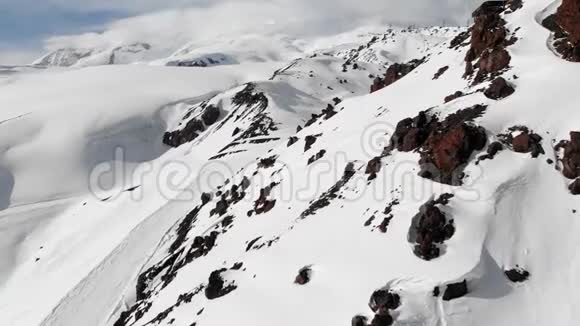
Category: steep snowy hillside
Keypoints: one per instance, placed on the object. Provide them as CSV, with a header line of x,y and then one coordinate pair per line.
x,y
385,177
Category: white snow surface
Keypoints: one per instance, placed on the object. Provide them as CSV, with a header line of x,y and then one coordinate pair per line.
x,y
73,254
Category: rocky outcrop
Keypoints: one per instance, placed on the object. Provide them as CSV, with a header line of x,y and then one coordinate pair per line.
x,y
488,42
429,229
216,286
522,140
395,72
193,127
455,290
566,29
570,155
498,89
574,187
445,146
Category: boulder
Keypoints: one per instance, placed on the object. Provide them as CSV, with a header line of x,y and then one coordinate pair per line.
x,y
498,89
517,275
575,187
455,290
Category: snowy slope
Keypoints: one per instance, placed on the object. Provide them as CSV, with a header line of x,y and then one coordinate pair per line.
x,y
294,198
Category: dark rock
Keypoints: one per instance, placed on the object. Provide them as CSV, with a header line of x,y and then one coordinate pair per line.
x,y
498,89
205,198
455,290
383,300
568,17
440,72
292,140
517,275
575,187
359,321
308,142
459,39
216,286
304,276
453,96
429,229
316,157
188,133
210,115
267,162
373,166
395,72
436,291
382,320
571,156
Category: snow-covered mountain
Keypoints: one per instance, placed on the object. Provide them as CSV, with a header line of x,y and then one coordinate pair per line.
x,y
385,176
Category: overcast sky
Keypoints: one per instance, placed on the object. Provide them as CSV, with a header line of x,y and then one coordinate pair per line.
x,y
29,27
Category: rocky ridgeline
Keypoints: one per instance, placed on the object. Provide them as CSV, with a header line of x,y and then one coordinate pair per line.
x,y
395,72
566,28
487,56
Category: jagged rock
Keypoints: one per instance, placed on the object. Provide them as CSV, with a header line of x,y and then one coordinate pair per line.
x,y
440,72
459,39
308,142
395,72
564,25
382,301
498,89
526,142
455,290
373,166
517,275
568,17
571,155
446,146
216,287
188,133
575,187
316,156
210,115
488,41
304,276
267,162
453,96
429,229
492,151
292,140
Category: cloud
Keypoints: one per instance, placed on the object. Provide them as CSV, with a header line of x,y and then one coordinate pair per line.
x,y
18,57
207,19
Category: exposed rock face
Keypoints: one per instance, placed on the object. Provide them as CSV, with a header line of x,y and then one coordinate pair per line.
x,y
564,25
488,42
191,131
445,146
210,115
571,155
499,89
395,72
455,290
568,17
216,286
429,229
